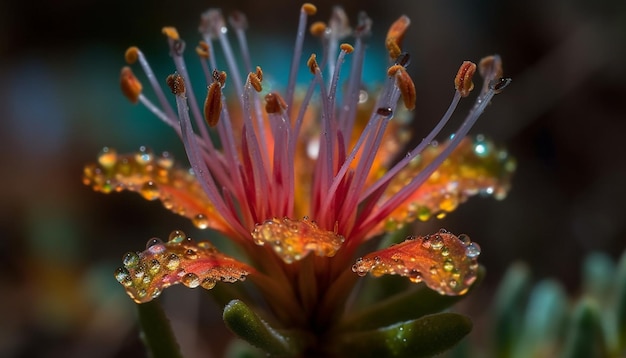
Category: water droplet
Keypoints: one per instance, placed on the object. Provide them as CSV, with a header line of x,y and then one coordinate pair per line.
x,y
149,190
107,157
144,156
122,275
472,250
384,111
166,160
131,259
153,241
190,280
206,245
208,283
448,265
433,270
172,262
453,283
465,239
154,266
200,221
445,251
436,243
415,276
191,254
177,236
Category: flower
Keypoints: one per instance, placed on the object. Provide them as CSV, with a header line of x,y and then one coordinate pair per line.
x,y
299,181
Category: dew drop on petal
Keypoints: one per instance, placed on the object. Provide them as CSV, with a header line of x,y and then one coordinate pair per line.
x,y
149,190
472,251
190,280
153,241
107,157
200,221
177,236
131,259
172,262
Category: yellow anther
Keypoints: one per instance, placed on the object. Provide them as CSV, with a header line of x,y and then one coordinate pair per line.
x,y
131,55
170,32
309,8
130,85
346,47
213,104
463,80
318,28
312,63
274,103
176,84
203,50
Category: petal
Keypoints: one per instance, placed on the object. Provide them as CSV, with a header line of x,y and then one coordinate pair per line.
x,y
475,167
444,262
154,177
292,240
180,260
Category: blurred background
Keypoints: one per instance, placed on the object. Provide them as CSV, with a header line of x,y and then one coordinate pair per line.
x,y
563,118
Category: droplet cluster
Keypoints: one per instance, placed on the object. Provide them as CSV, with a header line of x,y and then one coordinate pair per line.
x,y
146,274
292,240
154,177
444,262
475,167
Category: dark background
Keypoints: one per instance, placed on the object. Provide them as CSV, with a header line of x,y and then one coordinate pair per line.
x,y
562,117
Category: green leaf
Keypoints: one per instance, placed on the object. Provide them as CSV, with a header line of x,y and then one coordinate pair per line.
x,y
403,307
156,331
585,338
423,337
509,308
620,309
246,324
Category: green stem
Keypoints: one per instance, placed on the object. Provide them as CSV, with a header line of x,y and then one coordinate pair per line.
x,y
156,331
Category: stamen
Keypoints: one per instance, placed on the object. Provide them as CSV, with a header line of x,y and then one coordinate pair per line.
x,y
171,33
130,85
131,55
203,50
176,84
306,10
463,80
213,104
312,63
255,81
274,103
318,28
395,35
405,84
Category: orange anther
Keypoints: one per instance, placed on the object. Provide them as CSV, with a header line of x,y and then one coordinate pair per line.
x,y
170,32
255,82
346,47
312,63
274,103
318,28
130,85
203,50
405,85
396,33
131,55
309,8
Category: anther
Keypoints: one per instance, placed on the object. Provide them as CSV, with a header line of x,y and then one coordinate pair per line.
x,y
176,84
405,85
309,9
238,20
312,63
318,28
346,47
499,84
259,73
490,67
463,80
170,32
255,81
220,77
274,103
131,87
203,50
213,104
396,33
339,23
131,55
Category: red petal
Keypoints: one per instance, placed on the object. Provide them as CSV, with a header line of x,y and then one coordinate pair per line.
x,y
154,177
444,262
181,260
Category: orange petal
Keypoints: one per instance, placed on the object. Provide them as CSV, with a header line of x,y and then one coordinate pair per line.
x,y
292,240
180,260
475,167
154,177
444,262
